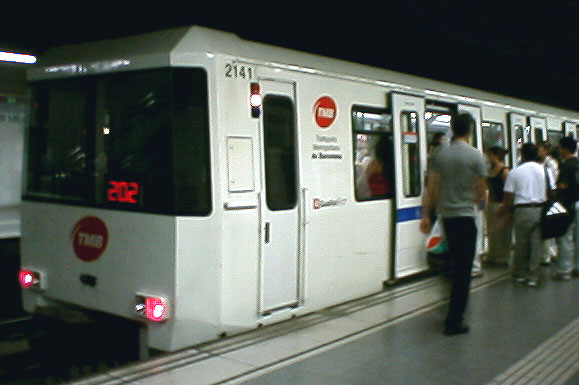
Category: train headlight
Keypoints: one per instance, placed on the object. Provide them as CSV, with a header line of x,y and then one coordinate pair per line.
x,y
151,307
29,279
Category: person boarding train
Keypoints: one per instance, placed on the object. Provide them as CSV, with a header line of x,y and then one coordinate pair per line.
x,y
456,181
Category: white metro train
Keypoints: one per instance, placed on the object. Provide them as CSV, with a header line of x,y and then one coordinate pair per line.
x,y
205,185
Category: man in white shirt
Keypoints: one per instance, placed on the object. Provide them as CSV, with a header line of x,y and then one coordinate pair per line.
x,y
525,193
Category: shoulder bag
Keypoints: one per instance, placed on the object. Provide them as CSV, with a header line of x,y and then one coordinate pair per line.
x,y
555,218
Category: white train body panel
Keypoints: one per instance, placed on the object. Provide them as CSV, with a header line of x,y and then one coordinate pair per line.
x,y
246,263
11,147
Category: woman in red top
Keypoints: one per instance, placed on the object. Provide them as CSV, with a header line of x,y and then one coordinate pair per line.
x,y
378,171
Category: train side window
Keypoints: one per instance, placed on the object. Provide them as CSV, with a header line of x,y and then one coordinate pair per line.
x,y
410,154
493,135
554,137
279,131
373,153
539,135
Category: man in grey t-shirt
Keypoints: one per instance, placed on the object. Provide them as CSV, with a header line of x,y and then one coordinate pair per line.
x,y
455,184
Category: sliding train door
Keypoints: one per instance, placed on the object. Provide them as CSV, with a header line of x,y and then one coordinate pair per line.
x,y
409,253
520,134
279,200
538,127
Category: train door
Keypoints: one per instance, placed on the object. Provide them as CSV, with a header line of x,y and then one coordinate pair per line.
x,y
409,253
279,197
538,127
569,130
519,135
477,142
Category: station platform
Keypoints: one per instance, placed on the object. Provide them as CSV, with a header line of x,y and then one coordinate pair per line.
x,y
518,335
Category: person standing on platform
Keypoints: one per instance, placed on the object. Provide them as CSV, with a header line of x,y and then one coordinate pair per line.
x,y
544,150
456,182
525,194
567,193
499,228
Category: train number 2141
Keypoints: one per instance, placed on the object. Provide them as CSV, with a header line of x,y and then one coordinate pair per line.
x,y
236,71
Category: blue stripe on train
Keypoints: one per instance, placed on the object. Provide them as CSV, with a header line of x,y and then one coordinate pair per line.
x,y
408,214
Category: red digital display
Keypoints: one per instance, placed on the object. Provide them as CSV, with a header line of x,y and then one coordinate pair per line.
x,y
122,192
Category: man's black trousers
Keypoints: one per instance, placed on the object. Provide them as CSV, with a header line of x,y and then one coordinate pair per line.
x,y
460,234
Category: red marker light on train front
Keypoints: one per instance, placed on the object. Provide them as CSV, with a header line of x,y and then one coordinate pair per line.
x,y
28,279
255,100
155,309
152,308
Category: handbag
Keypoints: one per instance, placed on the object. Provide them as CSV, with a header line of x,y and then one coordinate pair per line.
x,y
555,218
436,241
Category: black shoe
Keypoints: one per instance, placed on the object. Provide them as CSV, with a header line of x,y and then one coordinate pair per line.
x,y
455,330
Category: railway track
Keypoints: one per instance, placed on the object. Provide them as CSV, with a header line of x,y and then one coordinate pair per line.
x,y
40,351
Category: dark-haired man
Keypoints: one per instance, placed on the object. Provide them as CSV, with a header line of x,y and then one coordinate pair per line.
x,y
455,182
525,194
567,191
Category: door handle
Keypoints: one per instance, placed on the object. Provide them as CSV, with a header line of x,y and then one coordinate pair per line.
x,y
266,232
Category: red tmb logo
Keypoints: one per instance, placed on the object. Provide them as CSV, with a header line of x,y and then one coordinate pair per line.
x,y
89,238
325,111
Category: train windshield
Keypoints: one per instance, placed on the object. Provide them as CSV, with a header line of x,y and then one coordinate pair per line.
x,y
136,141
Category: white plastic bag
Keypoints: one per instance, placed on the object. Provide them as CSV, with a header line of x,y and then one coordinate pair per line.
x,y
436,241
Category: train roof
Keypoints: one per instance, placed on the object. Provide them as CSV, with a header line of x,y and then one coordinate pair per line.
x,y
163,48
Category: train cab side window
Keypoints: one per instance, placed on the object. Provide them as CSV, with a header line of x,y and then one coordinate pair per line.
x,y
373,153
280,152
410,154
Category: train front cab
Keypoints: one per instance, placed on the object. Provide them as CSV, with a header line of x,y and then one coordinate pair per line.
x,y
117,212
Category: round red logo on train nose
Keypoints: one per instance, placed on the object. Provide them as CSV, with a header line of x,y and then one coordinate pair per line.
x,y
89,238
325,111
